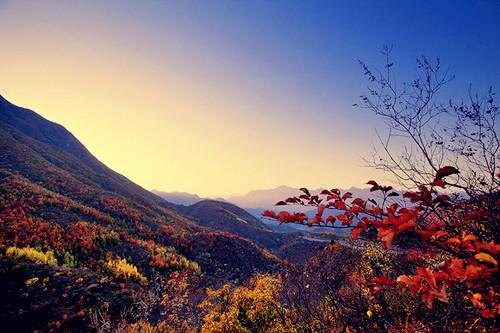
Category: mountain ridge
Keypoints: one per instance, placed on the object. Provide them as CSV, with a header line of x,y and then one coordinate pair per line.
x,y
58,202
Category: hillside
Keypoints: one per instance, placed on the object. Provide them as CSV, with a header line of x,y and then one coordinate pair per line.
x,y
70,225
227,217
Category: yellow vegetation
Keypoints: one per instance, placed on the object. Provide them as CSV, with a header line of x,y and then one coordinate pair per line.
x,y
121,268
244,309
167,257
31,281
33,255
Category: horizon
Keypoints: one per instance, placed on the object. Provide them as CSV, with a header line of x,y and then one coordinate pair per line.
x,y
154,190
221,99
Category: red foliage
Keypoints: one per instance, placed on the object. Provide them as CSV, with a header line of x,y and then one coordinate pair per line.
x,y
81,236
429,215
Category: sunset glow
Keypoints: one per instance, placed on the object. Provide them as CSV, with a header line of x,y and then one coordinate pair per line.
x,y
214,100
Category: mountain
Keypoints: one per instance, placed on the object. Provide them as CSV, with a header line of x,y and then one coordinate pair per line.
x,y
227,217
179,198
263,198
75,234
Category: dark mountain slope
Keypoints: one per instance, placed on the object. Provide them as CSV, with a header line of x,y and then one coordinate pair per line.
x,y
59,147
227,217
227,213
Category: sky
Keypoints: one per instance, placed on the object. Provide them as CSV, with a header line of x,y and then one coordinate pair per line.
x,y
222,97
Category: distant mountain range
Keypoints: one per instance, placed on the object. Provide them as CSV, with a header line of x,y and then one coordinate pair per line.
x,y
255,203
256,200
265,199
179,198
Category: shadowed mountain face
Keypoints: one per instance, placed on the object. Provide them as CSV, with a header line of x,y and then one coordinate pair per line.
x,y
226,212
34,146
230,218
58,199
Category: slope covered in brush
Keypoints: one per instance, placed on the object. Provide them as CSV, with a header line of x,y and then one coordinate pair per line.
x,y
75,235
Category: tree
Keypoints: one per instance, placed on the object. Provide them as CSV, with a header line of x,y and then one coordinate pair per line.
x,y
446,156
424,133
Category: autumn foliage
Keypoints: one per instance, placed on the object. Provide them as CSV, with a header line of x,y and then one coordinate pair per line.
x,y
471,265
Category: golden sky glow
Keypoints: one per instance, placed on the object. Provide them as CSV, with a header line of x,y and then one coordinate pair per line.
x,y
171,113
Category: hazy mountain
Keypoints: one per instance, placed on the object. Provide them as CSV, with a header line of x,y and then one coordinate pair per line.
x,y
263,198
258,200
179,198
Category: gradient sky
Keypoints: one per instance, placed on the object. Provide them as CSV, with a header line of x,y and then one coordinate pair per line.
x,y
222,97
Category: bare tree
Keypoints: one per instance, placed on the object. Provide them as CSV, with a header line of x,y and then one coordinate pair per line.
x,y
424,133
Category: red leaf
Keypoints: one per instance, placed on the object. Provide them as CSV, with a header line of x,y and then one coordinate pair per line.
x,y
359,202
486,258
280,203
356,209
438,234
476,300
346,196
306,191
340,205
356,232
300,217
270,214
446,171
442,198
407,225
332,197
386,236
344,219
438,182
490,247
489,313
383,280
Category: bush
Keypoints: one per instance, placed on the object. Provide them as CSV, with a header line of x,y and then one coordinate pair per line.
x,y
33,255
121,268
